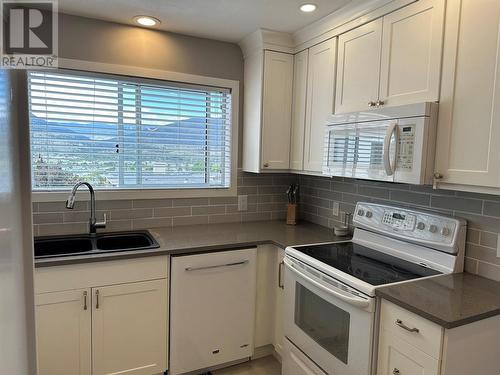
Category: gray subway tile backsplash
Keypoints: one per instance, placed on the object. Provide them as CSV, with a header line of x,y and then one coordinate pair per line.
x,y
482,211
267,201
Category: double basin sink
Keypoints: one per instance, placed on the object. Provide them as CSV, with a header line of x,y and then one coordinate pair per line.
x,y
86,244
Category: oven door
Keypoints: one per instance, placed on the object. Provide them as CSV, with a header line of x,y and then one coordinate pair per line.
x,y
330,322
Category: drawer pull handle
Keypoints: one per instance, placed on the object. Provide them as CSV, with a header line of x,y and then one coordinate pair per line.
x,y
396,371
216,266
400,323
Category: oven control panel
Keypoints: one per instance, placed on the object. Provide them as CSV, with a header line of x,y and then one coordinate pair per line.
x,y
407,224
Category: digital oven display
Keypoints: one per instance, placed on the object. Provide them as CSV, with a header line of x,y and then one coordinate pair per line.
x,y
397,216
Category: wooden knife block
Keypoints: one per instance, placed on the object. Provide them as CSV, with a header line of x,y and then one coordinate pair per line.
x,y
291,214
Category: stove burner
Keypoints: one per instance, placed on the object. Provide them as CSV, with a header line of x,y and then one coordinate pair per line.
x,y
366,264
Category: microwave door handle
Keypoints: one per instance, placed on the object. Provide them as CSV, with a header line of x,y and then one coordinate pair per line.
x,y
390,168
359,302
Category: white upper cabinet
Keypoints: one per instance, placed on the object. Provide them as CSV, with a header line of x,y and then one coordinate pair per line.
x,y
394,60
468,143
320,101
411,53
359,67
268,111
276,110
298,110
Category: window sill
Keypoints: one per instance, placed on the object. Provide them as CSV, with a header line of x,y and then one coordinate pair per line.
x,y
58,196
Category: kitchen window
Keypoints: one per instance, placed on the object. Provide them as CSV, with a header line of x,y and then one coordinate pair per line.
x,y
121,133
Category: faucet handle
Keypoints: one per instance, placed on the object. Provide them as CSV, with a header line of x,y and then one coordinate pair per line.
x,y
101,224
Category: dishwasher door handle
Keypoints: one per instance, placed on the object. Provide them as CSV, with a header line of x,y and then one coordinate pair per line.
x,y
189,269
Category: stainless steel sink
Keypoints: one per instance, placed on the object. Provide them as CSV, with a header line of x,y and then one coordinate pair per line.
x,y
57,246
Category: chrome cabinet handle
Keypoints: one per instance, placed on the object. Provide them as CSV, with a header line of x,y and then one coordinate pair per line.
x,y
85,300
216,266
438,176
371,104
97,299
379,103
396,371
400,323
280,273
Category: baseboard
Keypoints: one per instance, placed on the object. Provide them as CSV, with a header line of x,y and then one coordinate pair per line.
x,y
263,351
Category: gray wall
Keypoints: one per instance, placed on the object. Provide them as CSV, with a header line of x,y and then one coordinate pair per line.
x,y
480,210
89,39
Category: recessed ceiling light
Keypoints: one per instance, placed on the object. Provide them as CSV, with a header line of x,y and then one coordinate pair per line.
x,y
307,8
146,21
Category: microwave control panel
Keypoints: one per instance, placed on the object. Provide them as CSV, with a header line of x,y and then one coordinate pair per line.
x,y
406,145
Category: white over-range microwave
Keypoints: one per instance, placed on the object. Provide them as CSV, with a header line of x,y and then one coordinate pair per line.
x,y
394,144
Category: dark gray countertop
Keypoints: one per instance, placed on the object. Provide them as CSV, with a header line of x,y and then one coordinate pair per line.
x,y
449,300
198,238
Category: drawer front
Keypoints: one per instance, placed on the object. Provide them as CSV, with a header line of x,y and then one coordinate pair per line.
x,y
94,274
415,330
397,357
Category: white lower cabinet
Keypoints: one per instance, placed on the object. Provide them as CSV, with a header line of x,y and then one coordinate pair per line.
x,y
294,362
397,357
212,309
117,324
128,328
279,333
63,321
412,345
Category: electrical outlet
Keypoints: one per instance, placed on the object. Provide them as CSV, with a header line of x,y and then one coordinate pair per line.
x,y
336,208
242,202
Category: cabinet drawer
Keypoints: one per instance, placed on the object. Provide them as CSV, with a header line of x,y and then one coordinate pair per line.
x,y
397,357
399,321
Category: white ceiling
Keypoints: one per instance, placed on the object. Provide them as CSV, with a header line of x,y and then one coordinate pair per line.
x,y
228,20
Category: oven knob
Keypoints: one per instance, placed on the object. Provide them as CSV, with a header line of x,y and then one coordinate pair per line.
x,y
369,214
361,212
445,231
420,226
433,229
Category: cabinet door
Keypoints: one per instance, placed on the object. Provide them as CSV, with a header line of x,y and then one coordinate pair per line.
x,y
294,362
277,110
212,309
468,142
299,110
320,101
129,328
63,331
279,334
397,357
411,53
359,67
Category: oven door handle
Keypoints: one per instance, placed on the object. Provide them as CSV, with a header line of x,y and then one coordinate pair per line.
x,y
359,302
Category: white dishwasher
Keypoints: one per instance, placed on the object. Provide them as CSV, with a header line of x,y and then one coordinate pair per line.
x,y
212,309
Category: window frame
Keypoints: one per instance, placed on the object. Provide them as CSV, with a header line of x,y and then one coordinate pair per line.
x,y
144,75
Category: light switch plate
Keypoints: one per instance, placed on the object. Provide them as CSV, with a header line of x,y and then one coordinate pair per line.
x,y
336,208
242,202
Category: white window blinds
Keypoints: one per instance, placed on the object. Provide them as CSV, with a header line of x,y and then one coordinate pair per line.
x,y
121,133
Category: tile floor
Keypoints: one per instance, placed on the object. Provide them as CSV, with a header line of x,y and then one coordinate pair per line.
x,y
263,366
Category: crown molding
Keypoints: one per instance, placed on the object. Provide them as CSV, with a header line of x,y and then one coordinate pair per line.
x,y
265,39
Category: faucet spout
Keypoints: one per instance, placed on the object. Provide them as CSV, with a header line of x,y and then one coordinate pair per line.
x,y
70,204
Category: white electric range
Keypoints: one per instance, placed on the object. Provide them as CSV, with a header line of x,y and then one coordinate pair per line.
x,y
330,305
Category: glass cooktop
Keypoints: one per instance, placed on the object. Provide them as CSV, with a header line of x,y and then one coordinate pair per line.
x,y
366,264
